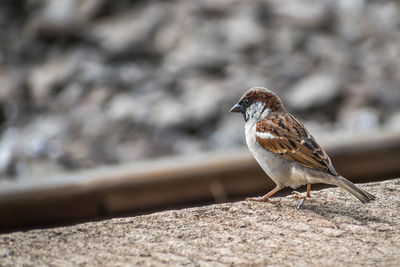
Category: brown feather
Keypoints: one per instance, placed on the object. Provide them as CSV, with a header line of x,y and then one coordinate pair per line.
x,y
288,134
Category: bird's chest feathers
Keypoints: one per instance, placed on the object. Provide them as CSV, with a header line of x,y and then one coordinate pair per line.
x,y
268,161
281,171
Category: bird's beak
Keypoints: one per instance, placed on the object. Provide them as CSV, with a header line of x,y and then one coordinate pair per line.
x,y
237,108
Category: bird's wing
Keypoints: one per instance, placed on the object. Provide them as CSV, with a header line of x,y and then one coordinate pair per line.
x,y
286,136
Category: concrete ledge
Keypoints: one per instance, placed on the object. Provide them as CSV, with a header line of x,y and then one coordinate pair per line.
x,y
335,229
173,181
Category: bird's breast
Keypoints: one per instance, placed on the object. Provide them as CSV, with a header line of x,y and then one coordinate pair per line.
x,y
281,171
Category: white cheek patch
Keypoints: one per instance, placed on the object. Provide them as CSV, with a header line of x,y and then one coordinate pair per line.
x,y
257,107
265,113
265,135
255,110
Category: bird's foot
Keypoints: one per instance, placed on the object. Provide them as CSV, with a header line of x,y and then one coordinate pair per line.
x,y
297,195
301,197
261,199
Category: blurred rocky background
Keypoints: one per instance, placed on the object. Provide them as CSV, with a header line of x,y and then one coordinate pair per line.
x,y
85,83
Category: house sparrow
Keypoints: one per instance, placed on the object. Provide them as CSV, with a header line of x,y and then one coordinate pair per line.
x,y
284,148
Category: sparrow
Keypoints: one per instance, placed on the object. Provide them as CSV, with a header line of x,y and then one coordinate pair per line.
x,y
284,148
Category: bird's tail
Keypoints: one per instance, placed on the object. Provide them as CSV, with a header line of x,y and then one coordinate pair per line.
x,y
363,196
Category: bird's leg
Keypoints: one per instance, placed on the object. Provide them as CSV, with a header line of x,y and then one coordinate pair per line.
x,y
308,191
302,197
266,197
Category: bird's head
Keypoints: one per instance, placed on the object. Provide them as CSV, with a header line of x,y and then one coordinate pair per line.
x,y
256,103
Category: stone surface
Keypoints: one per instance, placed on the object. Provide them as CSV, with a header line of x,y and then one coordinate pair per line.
x,y
334,230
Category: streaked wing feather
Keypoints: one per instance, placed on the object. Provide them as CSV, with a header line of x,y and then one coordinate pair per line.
x,y
293,143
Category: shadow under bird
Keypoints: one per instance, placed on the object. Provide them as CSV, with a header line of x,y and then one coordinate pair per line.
x,y
284,148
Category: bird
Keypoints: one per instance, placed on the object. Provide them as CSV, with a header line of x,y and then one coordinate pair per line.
x,y
285,149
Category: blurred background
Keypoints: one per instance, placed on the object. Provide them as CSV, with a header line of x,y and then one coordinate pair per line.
x,y
88,83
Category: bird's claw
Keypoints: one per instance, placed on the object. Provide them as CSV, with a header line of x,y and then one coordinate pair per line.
x,y
297,195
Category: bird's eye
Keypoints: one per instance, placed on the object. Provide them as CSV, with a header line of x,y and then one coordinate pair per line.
x,y
246,101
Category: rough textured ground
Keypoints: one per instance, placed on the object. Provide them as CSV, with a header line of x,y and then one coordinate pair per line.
x,y
333,230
